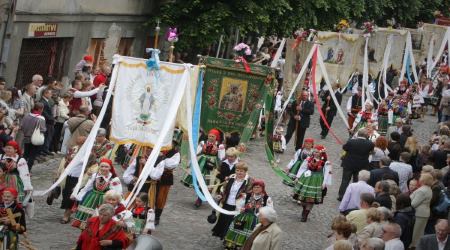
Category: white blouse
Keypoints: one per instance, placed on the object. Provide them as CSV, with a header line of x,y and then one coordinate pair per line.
x,y
234,191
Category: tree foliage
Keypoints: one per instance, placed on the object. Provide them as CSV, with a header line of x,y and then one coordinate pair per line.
x,y
202,22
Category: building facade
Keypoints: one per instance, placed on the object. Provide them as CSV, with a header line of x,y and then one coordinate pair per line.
x,y
49,37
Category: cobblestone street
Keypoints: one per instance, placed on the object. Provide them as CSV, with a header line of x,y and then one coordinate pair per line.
x,y
183,227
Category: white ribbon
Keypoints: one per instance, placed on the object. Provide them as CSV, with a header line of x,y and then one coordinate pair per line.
x,y
348,82
445,41
430,56
277,56
387,53
297,81
328,83
365,80
408,52
82,155
168,124
194,162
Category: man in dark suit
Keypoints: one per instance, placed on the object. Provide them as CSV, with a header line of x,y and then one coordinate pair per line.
x,y
47,113
329,109
356,158
300,114
436,241
383,173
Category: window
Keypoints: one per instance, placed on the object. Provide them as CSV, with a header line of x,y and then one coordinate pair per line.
x,y
96,50
125,45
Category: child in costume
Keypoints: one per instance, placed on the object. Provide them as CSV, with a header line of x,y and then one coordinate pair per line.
x,y
279,142
91,196
210,153
312,181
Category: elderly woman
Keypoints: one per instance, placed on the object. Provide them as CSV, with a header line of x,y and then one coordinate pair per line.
x,y
237,186
374,227
372,244
267,234
101,145
420,201
122,216
102,232
342,229
244,223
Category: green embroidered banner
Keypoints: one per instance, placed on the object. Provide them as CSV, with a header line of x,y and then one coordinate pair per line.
x,y
233,98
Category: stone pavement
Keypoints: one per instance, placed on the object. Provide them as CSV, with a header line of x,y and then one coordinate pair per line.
x,y
183,227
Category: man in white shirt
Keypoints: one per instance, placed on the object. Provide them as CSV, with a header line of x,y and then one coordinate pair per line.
x,y
391,237
404,170
351,199
437,241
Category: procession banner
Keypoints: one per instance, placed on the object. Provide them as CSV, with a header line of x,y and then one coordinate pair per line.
x,y
232,99
293,63
142,98
341,57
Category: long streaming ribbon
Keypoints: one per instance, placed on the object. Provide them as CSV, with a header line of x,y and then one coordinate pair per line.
x,y
444,43
277,56
244,62
195,130
430,56
387,53
316,96
365,81
408,70
194,163
328,83
297,81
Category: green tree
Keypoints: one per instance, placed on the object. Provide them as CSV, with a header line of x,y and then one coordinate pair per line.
x,y
202,22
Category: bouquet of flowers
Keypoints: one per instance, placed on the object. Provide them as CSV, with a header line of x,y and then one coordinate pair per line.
x,y
242,49
368,28
172,35
342,26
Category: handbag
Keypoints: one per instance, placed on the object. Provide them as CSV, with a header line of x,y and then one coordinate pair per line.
x,y
212,218
37,138
444,203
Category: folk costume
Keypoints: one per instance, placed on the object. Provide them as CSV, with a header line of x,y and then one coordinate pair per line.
x,y
209,153
234,190
301,154
279,141
313,178
364,117
91,236
17,174
171,161
244,223
9,234
101,148
91,196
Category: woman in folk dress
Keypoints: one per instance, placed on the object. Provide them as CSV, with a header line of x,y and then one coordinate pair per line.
x,y
91,196
313,178
16,171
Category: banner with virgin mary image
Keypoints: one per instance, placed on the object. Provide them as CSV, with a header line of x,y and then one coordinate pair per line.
x,y
142,99
232,97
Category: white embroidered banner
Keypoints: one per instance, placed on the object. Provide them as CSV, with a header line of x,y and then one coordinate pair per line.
x,y
142,98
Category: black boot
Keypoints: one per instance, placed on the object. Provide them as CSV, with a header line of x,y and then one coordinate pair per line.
x,y
158,213
305,215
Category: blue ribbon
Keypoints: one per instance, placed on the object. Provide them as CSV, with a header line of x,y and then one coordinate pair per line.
x,y
153,62
195,130
408,71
